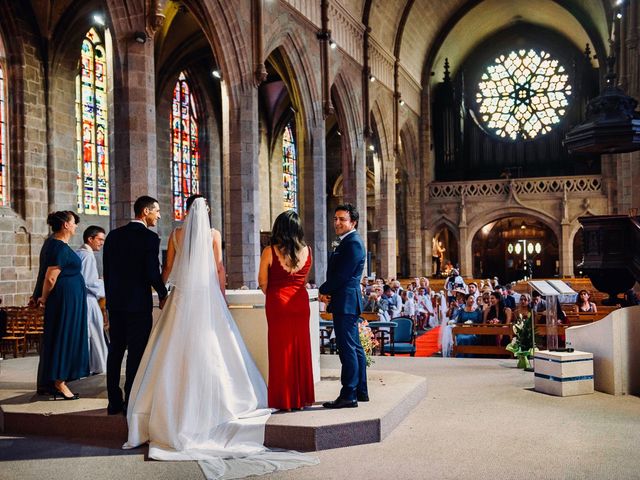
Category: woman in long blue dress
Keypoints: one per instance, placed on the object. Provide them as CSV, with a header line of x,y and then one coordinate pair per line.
x,y
65,349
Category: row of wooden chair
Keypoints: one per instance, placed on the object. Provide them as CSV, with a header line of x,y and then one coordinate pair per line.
x,y
24,330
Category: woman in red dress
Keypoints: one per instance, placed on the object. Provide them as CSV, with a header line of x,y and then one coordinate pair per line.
x,y
284,267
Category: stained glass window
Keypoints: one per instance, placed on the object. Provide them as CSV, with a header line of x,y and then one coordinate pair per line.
x,y
289,169
3,141
523,94
92,131
185,160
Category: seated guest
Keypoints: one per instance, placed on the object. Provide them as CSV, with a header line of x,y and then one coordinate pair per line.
x,y
509,300
470,313
456,306
523,308
511,292
583,305
424,308
473,290
424,283
408,304
497,311
391,302
538,304
372,304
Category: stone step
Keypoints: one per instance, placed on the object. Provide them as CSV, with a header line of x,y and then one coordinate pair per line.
x,y
393,395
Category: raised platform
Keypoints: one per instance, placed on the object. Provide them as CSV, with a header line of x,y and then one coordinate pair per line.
x,y
393,395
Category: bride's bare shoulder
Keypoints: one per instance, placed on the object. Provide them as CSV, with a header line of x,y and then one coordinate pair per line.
x,y
215,234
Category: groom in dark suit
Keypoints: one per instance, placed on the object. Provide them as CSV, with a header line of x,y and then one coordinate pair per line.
x,y
341,292
131,268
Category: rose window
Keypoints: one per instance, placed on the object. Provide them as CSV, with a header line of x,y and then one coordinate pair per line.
x,y
523,95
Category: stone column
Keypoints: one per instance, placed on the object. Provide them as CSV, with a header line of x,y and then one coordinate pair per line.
x,y
354,168
135,165
464,247
427,248
414,232
242,203
314,198
386,211
566,250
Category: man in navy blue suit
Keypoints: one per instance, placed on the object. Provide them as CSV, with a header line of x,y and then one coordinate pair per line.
x,y
131,268
341,292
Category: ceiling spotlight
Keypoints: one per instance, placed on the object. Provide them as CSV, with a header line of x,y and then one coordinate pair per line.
x,y
339,133
98,19
372,148
333,44
401,102
619,2
216,73
618,15
140,37
372,78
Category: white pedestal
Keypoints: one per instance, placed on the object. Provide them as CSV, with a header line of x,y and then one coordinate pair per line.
x,y
247,308
563,374
615,343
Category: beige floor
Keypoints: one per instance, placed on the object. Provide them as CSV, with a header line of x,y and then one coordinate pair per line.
x,y
480,420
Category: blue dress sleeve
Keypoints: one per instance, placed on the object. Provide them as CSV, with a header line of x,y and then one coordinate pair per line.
x,y
57,255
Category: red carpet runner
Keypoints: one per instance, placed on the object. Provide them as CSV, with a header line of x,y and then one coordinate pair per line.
x,y
427,343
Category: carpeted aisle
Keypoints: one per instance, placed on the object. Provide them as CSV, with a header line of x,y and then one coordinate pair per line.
x,y
427,343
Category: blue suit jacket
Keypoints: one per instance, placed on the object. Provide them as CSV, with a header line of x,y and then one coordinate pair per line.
x,y
344,274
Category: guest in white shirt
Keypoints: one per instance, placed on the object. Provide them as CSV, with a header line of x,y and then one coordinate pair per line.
x,y
93,238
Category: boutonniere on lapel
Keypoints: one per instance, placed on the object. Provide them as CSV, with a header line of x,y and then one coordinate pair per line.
x,y
334,245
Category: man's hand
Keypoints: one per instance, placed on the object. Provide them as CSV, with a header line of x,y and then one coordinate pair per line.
x,y
324,298
162,302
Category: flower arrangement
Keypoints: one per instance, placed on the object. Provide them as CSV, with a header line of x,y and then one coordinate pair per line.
x,y
522,342
367,340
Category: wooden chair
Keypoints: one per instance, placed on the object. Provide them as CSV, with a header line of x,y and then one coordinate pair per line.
x,y
15,339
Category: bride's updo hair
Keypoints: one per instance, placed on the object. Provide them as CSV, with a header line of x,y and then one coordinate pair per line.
x,y
288,236
192,199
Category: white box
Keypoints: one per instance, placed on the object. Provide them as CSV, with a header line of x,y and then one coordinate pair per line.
x,y
562,373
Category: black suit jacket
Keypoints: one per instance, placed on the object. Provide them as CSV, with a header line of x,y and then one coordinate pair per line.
x,y
131,268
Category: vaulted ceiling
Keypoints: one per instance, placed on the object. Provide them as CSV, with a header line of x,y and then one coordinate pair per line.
x,y
423,32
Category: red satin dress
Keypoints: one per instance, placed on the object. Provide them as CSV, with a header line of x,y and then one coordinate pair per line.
x,y
287,308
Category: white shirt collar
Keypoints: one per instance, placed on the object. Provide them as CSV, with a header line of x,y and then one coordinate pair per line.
x,y
342,237
86,247
138,221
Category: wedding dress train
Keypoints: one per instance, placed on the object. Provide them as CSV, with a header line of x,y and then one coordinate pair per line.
x,y
198,394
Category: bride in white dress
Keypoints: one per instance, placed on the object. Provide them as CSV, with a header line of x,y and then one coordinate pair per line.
x,y
198,394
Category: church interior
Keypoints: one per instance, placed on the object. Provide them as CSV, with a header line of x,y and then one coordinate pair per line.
x,y
446,123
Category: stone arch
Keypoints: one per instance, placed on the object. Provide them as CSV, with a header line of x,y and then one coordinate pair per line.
x,y
490,216
304,79
23,228
66,44
209,144
510,211
348,113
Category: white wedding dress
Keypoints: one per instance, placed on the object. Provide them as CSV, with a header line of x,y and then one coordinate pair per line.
x,y
198,394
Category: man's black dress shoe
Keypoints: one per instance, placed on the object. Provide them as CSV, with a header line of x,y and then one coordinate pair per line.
x,y
363,397
340,403
115,410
